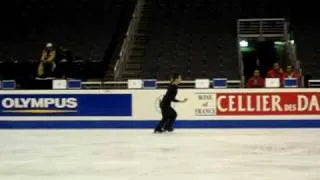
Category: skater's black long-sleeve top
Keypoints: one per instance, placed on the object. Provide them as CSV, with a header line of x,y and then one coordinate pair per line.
x,y
170,96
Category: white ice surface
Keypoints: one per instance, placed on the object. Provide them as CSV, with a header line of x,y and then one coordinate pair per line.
x,y
282,154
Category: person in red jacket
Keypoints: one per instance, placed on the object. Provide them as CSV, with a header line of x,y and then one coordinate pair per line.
x,y
275,72
291,73
256,81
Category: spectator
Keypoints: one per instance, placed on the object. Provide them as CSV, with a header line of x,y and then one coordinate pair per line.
x,y
63,62
47,62
256,81
275,72
291,73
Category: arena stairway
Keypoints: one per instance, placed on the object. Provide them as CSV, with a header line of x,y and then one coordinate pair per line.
x,y
133,67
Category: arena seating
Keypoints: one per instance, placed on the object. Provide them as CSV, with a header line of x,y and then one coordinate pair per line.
x,y
83,27
307,39
198,38
194,37
188,36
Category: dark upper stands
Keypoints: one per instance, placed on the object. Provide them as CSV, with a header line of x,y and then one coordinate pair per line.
x,y
82,26
194,37
198,37
307,36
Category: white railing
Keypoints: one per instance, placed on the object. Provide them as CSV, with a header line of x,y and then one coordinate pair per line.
x,y
314,83
262,28
160,84
128,41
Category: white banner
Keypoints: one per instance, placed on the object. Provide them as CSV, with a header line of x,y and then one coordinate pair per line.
x,y
200,104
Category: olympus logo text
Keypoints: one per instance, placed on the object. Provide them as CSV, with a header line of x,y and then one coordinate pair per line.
x,y
39,105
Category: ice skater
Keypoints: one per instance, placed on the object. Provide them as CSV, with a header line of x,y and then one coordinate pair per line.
x,y
169,115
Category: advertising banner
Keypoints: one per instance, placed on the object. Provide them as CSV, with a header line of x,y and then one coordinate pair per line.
x,y
201,104
278,103
204,104
214,108
65,105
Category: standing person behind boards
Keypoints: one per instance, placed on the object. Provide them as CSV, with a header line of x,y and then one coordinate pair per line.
x,y
275,72
47,62
291,73
256,81
169,115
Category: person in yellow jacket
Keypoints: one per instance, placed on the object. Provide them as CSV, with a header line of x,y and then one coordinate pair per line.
x,y
47,63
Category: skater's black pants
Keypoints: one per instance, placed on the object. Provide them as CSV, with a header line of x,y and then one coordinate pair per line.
x,y
169,115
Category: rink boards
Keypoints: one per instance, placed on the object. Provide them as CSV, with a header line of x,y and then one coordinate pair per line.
x,y
205,108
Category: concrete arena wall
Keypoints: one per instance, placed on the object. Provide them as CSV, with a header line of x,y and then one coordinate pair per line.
x,y
206,108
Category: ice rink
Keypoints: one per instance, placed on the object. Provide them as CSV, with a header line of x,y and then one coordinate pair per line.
x,y
212,154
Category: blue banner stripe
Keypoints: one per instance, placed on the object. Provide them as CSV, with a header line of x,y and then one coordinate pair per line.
x,y
151,124
66,105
